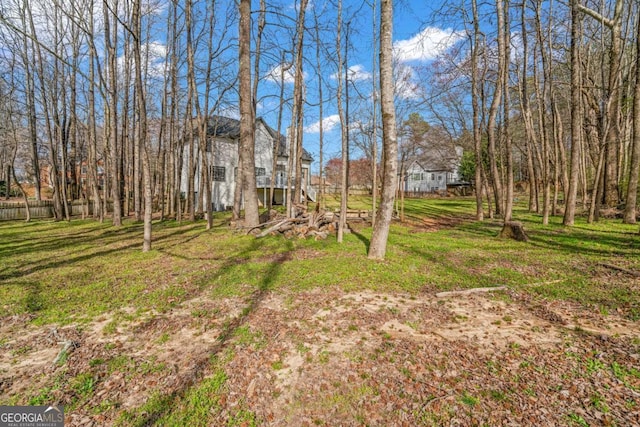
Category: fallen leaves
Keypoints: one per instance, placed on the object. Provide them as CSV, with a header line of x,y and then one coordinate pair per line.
x,y
334,358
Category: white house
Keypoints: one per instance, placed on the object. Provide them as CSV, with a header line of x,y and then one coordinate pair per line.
x,y
223,134
430,175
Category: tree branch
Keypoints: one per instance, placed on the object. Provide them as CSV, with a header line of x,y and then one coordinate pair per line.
x,y
595,15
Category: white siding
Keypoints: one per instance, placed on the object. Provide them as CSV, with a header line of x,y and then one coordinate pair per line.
x,y
225,154
419,179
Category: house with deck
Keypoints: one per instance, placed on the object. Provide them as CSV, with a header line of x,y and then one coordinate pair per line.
x,y
432,174
223,135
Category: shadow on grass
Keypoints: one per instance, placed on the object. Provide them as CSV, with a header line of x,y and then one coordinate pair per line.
x,y
363,239
146,416
59,243
591,243
579,240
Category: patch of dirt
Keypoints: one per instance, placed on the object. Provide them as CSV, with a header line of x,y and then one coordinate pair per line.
x,y
327,357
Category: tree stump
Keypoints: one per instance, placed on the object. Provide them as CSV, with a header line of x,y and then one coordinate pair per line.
x,y
513,230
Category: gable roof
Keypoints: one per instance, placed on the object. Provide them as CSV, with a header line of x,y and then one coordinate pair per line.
x,y
226,127
223,127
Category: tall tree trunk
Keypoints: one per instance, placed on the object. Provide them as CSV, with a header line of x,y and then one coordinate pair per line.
x,y
525,106
374,120
321,196
29,82
576,115
111,39
344,190
192,98
247,142
54,177
298,104
477,131
545,159
141,110
74,152
496,178
378,246
634,170
610,190
204,119
11,170
508,203
92,162
127,154
276,144
611,195
256,72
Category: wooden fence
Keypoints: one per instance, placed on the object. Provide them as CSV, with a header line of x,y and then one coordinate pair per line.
x,y
41,209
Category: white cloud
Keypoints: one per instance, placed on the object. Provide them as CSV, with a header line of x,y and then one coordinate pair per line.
x,y
276,73
405,85
156,53
356,73
426,45
328,124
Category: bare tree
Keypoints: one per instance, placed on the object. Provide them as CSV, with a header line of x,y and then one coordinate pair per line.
x,y
576,115
111,136
344,190
492,133
29,81
475,95
634,170
247,143
505,59
610,196
321,181
374,119
378,246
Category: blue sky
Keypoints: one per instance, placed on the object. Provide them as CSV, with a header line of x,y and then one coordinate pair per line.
x,y
418,37
417,41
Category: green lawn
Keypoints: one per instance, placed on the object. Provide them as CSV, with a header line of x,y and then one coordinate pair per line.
x,y
63,272
189,332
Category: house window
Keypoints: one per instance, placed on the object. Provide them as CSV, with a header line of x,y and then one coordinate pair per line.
x,y
218,173
416,177
433,177
439,177
261,172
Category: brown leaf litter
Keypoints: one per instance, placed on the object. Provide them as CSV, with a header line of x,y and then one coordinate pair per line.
x,y
327,357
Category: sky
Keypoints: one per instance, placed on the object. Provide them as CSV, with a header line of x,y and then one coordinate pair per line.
x,y
418,39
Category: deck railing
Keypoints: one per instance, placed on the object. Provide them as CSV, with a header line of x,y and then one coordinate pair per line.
x,y
281,183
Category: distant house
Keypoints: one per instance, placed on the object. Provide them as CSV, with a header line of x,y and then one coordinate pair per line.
x,y
81,173
223,134
429,176
326,185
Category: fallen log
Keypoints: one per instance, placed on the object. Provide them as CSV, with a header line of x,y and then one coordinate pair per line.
x,y
273,228
621,269
316,223
470,291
